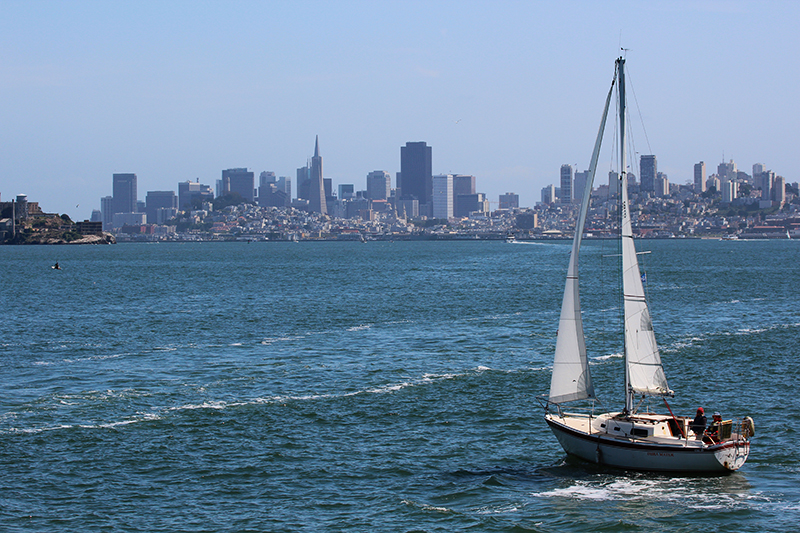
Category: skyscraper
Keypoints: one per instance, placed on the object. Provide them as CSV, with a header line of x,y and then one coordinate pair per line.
x,y
191,193
416,174
648,170
156,200
509,200
566,184
579,185
239,180
442,196
379,185
316,197
124,194
699,177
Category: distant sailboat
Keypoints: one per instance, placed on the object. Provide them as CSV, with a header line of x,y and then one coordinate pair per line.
x,y
628,439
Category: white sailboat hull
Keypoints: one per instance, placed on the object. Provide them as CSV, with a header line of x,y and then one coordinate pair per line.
x,y
654,455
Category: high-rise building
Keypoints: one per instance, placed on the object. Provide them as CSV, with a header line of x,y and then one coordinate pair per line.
x,y
107,211
758,169
379,185
416,174
779,190
549,194
463,184
661,188
613,183
648,170
566,184
699,177
509,200
727,171
241,181
730,190
193,193
156,200
465,204
443,196
579,185
316,185
346,191
124,194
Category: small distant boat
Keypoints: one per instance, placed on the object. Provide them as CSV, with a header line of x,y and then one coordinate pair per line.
x,y
629,439
730,237
56,266
510,238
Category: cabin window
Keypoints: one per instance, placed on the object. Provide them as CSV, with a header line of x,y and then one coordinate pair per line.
x,y
639,432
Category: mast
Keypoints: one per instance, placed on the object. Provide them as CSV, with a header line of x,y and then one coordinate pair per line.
x,y
623,210
643,371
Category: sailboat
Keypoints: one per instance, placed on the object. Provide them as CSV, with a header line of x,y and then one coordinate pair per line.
x,y
629,439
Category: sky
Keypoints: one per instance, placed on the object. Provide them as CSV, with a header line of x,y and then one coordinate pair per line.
x,y
506,91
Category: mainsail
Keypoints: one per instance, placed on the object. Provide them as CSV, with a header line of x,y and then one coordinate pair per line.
x,y
571,379
644,373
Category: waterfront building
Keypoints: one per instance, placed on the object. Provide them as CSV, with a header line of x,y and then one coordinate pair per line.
x,y
416,174
239,180
700,177
509,200
648,170
443,196
124,190
379,185
565,197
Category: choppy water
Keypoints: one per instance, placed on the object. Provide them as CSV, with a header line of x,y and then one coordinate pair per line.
x,y
371,387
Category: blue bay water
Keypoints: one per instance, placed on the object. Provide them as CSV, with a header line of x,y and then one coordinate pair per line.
x,y
387,386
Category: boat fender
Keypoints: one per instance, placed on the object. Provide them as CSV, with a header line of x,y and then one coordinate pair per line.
x,y
748,427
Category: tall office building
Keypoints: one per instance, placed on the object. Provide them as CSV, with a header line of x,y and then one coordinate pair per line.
x,y
779,190
416,174
316,185
661,189
379,185
464,189
699,177
442,196
613,183
549,194
579,185
124,194
107,211
239,180
758,169
566,184
509,200
727,171
648,170
156,200
193,193
347,191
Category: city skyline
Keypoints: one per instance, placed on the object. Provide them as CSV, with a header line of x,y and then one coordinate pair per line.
x,y
175,102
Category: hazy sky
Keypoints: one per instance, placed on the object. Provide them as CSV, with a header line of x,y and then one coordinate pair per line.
x,y
506,91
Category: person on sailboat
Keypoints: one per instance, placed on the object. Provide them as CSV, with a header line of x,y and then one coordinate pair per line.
x,y
713,430
699,423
